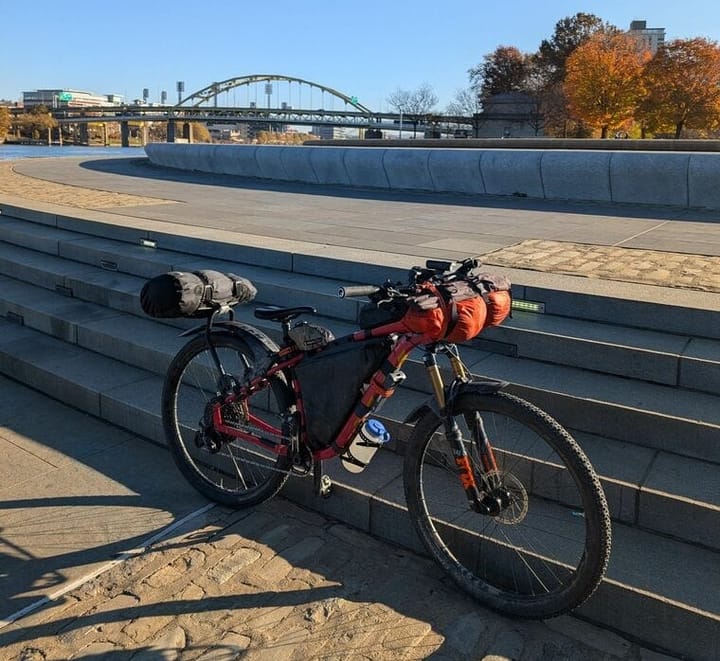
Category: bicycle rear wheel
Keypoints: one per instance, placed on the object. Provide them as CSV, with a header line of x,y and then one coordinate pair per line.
x,y
546,547
230,471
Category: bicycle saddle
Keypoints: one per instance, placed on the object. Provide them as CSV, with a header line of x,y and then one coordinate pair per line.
x,y
283,314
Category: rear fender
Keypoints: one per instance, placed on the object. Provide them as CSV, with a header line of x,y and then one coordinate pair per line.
x,y
482,387
259,344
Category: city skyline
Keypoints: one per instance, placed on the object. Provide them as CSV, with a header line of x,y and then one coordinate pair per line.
x,y
367,53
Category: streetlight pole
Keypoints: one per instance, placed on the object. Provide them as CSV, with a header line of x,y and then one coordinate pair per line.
x,y
400,136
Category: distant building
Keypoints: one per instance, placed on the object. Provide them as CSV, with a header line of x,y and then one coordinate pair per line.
x,y
509,115
650,38
329,132
65,98
239,132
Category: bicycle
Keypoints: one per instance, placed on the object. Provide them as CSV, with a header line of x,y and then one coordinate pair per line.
x,y
501,496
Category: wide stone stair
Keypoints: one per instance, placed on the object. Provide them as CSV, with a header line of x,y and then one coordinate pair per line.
x,y
637,383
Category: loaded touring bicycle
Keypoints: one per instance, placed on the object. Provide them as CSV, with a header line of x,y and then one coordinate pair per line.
x,y
500,495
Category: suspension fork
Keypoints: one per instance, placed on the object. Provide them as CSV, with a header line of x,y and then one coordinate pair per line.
x,y
478,498
453,435
475,424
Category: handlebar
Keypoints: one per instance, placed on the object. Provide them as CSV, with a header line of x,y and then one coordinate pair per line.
x,y
358,290
434,271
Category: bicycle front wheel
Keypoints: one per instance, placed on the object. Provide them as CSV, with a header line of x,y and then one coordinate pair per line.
x,y
544,548
230,471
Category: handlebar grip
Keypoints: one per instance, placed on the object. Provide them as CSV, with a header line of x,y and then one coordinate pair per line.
x,y
450,267
440,265
357,290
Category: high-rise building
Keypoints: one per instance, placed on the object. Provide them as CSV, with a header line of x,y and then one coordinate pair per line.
x,y
650,38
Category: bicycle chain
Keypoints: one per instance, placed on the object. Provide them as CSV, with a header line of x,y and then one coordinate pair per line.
x,y
248,428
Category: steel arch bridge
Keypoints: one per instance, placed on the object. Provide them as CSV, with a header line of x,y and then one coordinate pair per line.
x,y
212,91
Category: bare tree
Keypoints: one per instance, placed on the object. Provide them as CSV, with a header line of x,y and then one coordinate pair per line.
x,y
399,100
465,103
416,105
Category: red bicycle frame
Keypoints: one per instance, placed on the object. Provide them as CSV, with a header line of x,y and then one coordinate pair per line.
x,y
381,386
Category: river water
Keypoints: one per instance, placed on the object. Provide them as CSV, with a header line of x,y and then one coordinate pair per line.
x,y
12,152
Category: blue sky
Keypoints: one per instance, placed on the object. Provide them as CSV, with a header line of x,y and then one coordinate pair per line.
x,y
366,49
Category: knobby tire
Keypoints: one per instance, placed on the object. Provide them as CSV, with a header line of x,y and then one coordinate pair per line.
x,y
546,552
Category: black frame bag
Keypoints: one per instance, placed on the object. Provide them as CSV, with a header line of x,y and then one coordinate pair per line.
x,y
331,381
193,294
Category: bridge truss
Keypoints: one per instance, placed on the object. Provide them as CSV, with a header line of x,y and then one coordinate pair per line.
x,y
275,92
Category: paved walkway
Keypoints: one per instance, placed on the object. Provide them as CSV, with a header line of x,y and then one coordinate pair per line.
x,y
78,575
278,582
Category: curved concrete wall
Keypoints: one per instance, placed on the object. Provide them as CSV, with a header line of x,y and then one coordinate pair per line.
x,y
681,179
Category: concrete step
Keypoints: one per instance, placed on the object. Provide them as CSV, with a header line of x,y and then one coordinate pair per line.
x,y
657,491
612,303
108,329
64,260
674,360
645,488
77,376
579,400
667,310
668,359
656,416
659,417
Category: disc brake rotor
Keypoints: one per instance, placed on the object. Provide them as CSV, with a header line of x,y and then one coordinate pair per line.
x,y
511,494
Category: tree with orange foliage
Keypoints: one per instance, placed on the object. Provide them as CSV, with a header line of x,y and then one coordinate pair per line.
x,y
604,81
5,122
683,87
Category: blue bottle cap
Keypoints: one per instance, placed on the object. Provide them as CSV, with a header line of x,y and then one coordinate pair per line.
x,y
377,428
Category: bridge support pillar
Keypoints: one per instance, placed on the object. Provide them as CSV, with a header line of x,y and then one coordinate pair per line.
x,y
187,132
171,129
83,135
124,134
